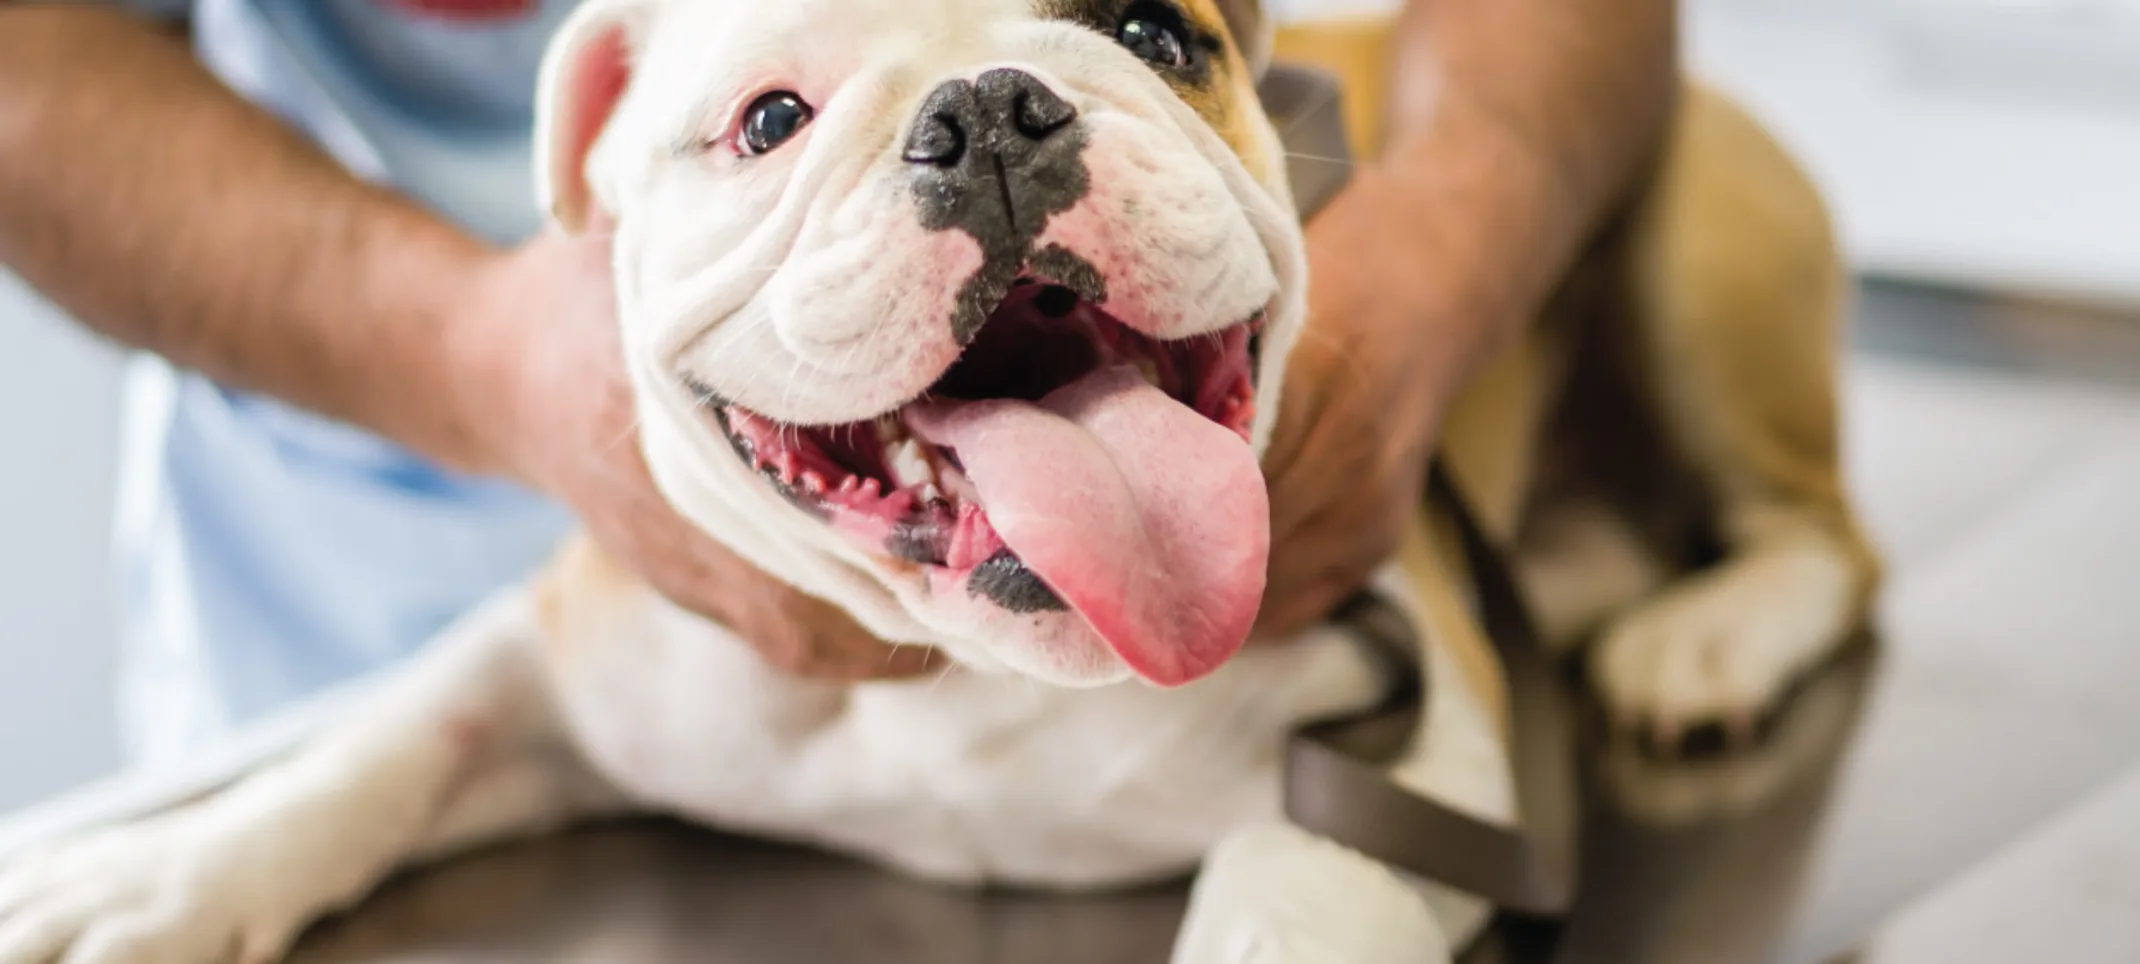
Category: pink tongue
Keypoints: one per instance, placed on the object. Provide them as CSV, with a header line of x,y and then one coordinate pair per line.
x,y
1148,518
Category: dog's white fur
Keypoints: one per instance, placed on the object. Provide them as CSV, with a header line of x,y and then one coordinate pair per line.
x,y
789,283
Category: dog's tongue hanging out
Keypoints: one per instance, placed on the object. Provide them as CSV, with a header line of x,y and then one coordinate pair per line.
x,y
1148,518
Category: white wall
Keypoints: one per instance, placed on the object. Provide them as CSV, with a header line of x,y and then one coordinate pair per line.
x,y
1973,141
58,425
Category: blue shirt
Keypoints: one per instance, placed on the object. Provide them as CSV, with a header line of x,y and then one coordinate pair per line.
x,y
264,552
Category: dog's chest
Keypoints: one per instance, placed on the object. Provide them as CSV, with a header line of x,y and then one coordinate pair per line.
x,y
963,777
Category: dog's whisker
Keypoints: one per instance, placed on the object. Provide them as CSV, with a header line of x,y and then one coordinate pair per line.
x,y
794,385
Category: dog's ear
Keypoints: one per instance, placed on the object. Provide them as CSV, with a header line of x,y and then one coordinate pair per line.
x,y
584,74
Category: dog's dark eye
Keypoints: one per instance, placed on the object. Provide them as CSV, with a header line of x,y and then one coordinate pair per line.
x,y
1153,32
771,120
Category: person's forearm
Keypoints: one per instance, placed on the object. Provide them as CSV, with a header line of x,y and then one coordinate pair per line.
x,y
1513,127
162,210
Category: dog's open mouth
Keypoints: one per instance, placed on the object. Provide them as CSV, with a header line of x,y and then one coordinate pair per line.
x,y
1063,456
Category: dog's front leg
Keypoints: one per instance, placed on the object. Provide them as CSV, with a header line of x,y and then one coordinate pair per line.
x,y
1276,894
459,749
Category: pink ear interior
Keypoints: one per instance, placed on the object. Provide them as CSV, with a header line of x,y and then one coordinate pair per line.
x,y
594,80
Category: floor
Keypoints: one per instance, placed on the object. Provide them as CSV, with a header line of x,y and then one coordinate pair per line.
x,y
2008,501
1998,463
2065,891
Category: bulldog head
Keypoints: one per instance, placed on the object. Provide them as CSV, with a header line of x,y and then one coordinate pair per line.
x,y
967,315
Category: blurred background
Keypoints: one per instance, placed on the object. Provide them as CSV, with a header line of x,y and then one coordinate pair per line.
x,y
1983,157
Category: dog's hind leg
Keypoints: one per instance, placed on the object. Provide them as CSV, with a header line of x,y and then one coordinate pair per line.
x,y
1738,293
459,748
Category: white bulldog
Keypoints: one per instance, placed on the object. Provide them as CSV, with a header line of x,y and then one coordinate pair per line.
x,y
969,316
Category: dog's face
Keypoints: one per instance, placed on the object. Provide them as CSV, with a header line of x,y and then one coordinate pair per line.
x,y
967,315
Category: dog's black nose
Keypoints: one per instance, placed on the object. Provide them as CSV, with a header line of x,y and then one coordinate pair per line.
x,y
991,113
997,157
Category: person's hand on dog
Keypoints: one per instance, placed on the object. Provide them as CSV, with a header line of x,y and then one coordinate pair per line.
x,y
1364,393
567,427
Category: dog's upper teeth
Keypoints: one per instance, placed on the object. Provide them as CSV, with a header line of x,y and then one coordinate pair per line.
x,y
909,463
890,428
930,493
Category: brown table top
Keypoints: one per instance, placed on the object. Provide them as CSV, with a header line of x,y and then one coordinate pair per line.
x,y
1683,862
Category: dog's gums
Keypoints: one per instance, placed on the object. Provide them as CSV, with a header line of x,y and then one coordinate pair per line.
x,y
897,486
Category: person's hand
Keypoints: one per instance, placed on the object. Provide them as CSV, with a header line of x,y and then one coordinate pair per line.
x,y
1363,396
565,424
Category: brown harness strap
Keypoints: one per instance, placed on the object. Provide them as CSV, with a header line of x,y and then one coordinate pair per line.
x,y
1337,771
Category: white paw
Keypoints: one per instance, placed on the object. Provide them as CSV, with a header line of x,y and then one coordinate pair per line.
x,y
1801,747
176,889
1276,894
1722,647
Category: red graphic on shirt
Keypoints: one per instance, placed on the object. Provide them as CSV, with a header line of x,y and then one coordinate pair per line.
x,y
470,10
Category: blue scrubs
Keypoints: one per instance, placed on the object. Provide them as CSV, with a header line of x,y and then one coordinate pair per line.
x,y
264,552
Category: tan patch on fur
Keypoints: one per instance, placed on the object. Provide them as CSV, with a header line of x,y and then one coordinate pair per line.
x,y
1487,433
1736,264
1223,92
1250,32
1432,562
581,587
1228,101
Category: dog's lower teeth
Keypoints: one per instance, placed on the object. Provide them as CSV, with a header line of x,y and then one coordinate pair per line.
x,y
909,464
1149,368
930,493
